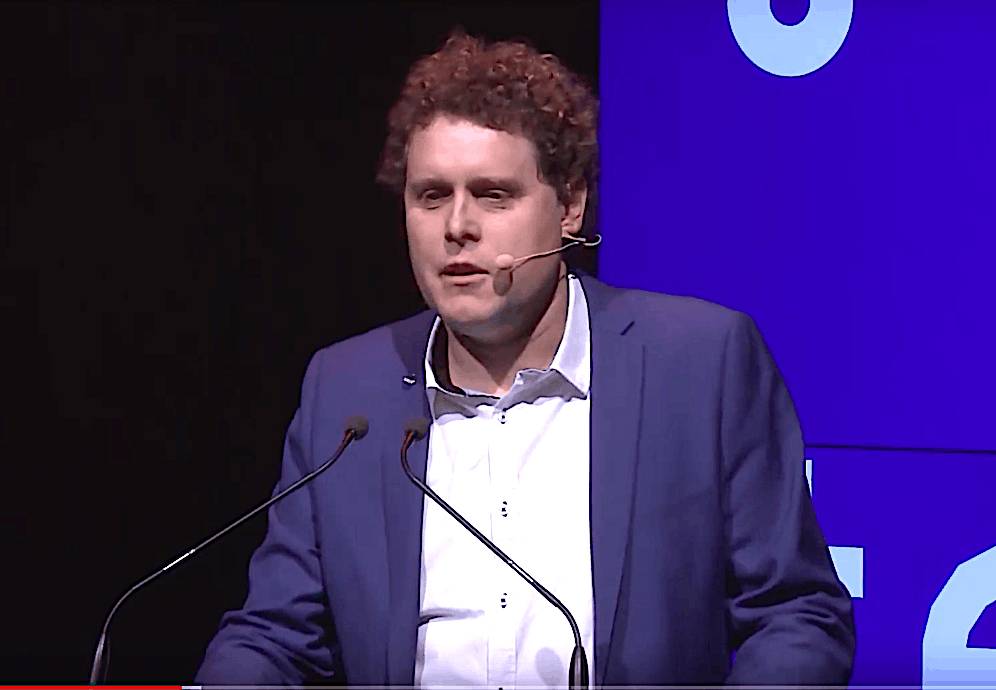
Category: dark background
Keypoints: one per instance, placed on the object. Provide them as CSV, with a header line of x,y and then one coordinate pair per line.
x,y
190,211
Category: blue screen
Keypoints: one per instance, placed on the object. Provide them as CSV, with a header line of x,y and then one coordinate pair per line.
x,y
826,167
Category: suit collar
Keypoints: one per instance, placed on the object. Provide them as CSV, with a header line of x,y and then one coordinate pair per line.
x,y
606,306
403,502
409,337
616,411
606,309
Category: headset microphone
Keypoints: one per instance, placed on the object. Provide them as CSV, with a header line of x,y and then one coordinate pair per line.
x,y
506,262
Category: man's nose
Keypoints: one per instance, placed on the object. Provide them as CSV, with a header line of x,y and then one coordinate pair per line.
x,y
461,223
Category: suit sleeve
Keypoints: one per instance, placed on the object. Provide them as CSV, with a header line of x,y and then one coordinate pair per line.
x,y
283,634
790,617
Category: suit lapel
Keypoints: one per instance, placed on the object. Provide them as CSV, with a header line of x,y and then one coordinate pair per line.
x,y
403,503
617,395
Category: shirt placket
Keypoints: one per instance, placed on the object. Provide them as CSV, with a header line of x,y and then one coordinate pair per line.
x,y
502,647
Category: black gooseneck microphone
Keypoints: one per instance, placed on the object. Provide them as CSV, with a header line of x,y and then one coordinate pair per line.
x,y
356,428
416,429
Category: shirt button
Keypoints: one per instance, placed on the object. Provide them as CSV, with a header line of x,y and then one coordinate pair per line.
x,y
501,417
504,599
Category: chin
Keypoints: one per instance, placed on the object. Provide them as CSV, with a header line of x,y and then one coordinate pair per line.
x,y
467,320
468,316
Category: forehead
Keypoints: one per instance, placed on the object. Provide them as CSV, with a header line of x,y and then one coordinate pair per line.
x,y
458,148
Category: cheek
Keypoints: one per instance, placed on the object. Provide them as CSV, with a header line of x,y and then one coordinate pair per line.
x,y
546,231
544,217
422,265
419,238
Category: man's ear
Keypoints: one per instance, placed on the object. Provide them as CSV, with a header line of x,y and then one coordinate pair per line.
x,y
570,222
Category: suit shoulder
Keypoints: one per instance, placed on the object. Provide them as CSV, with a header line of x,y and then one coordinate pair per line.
x,y
376,346
660,315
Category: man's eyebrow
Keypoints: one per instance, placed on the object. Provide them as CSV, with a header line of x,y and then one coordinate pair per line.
x,y
417,186
495,182
420,185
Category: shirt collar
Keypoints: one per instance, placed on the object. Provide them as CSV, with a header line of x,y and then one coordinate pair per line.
x,y
572,359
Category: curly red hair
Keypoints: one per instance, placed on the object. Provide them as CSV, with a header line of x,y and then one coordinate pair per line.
x,y
507,86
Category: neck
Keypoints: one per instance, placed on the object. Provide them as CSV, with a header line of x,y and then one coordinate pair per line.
x,y
490,367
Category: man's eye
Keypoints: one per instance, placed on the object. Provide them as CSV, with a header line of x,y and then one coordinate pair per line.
x,y
496,195
432,196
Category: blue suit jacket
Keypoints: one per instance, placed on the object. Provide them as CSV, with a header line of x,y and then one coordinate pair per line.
x,y
703,537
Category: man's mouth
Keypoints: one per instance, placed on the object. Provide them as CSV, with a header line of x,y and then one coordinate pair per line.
x,y
462,268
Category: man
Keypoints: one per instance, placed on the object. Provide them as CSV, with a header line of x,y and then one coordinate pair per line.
x,y
638,454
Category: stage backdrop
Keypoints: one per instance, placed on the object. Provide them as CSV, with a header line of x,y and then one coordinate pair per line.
x,y
826,166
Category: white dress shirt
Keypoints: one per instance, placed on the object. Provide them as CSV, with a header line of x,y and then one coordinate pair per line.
x,y
517,467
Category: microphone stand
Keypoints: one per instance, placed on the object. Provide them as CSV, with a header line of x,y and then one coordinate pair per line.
x,y
357,428
577,678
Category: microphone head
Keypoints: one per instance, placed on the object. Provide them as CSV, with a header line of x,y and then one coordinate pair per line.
x,y
418,427
504,262
358,425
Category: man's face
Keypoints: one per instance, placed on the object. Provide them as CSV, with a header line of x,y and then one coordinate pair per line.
x,y
472,193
